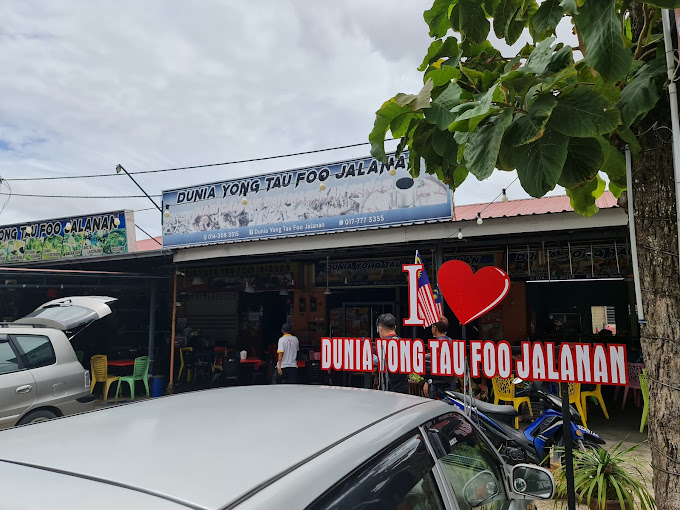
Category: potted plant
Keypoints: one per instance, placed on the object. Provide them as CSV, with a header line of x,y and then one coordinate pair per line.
x,y
607,480
415,384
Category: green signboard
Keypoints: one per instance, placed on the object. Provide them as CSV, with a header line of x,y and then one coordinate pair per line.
x,y
79,237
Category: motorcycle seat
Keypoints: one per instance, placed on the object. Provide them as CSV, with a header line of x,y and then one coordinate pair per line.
x,y
485,407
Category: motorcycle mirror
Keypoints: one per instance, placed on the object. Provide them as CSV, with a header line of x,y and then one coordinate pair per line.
x,y
517,380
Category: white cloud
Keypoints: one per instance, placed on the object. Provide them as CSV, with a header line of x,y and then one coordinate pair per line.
x,y
155,84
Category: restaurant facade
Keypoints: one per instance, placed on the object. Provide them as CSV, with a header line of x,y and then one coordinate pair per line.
x,y
323,248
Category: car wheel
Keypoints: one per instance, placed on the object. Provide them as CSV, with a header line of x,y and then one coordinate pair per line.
x,y
37,417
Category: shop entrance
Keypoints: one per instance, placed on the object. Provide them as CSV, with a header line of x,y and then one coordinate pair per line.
x,y
262,316
360,318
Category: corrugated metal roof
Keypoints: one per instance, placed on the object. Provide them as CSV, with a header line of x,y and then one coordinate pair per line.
x,y
527,207
150,244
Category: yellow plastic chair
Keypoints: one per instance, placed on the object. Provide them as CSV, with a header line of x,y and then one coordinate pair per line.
x,y
575,398
182,365
99,365
597,393
504,390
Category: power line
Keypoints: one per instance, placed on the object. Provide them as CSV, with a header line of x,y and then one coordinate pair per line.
x,y
74,196
149,235
235,162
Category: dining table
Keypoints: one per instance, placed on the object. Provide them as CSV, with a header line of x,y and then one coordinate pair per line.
x,y
121,362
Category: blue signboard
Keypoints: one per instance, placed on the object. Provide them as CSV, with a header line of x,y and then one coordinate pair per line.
x,y
68,238
351,195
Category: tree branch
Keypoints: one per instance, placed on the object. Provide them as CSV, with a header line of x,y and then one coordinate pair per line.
x,y
643,32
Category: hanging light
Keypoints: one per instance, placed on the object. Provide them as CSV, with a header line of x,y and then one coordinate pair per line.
x,y
327,292
460,234
479,218
68,226
393,171
249,289
29,231
167,211
322,187
505,196
116,222
283,292
244,201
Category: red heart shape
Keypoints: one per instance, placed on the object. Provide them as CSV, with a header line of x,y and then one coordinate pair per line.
x,y
471,295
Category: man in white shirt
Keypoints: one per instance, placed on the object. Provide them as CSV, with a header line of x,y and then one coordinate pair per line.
x,y
287,351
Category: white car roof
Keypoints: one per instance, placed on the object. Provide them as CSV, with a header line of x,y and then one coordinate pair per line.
x,y
212,448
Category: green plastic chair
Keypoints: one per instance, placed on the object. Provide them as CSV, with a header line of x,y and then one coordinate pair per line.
x,y
644,386
140,373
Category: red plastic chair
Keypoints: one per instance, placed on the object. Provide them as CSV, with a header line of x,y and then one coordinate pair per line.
x,y
634,371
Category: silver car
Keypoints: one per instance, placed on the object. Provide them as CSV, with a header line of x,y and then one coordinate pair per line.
x,y
280,446
40,375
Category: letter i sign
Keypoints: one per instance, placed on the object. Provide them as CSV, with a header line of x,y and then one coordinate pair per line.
x,y
469,295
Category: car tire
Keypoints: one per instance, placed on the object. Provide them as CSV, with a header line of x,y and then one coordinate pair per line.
x,y
37,417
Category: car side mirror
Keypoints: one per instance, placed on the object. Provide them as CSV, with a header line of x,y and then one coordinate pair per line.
x,y
533,481
480,488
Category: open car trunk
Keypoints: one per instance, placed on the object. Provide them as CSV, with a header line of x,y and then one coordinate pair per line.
x,y
69,313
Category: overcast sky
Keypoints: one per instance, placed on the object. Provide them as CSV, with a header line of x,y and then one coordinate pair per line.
x,y
157,84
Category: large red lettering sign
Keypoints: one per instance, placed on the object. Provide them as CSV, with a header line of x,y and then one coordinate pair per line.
x,y
471,295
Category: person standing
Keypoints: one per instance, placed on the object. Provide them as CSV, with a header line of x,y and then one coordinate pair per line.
x,y
398,383
287,355
439,330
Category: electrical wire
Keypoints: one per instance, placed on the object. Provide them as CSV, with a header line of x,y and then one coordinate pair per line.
x,y
479,213
149,235
209,165
9,195
76,196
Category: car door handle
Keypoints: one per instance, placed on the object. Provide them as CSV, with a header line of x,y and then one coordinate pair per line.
x,y
24,389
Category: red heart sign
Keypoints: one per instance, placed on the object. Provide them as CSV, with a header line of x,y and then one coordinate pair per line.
x,y
471,295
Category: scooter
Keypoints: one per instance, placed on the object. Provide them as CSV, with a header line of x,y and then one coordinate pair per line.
x,y
534,443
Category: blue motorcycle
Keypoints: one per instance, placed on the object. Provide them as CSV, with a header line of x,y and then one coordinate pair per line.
x,y
534,443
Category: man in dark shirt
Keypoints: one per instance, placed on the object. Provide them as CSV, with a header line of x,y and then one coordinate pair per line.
x,y
398,383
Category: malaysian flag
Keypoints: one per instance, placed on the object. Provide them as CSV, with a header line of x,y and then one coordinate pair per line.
x,y
427,307
438,301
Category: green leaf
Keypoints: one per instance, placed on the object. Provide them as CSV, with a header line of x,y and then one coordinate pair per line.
x,y
614,164
561,59
437,18
584,113
399,125
627,136
505,13
600,27
445,145
481,151
582,198
515,29
416,102
442,75
584,159
459,175
440,49
439,112
490,7
540,58
569,6
544,22
642,93
476,114
505,156
473,23
664,4
454,17
529,127
540,163
383,117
